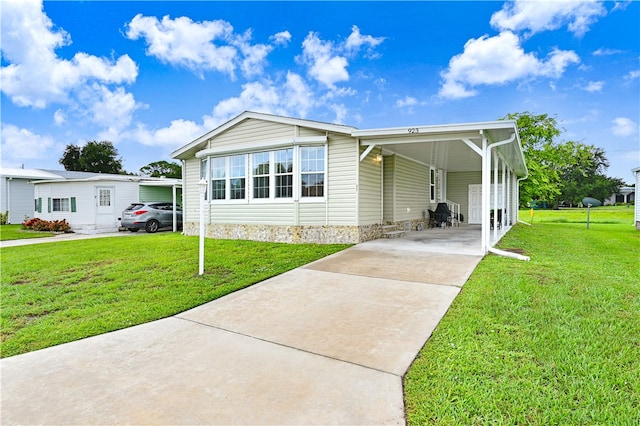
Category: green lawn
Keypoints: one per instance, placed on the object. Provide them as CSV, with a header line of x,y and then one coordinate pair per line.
x,y
608,214
553,341
15,232
59,292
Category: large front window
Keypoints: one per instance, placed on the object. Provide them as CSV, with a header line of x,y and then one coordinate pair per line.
x,y
293,173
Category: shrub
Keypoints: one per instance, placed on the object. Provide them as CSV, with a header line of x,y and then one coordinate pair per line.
x,y
37,224
4,217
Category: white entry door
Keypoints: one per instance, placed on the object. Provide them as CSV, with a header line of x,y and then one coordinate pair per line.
x,y
105,209
475,202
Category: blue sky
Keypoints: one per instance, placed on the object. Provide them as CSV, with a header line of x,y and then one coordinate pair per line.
x,y
152,76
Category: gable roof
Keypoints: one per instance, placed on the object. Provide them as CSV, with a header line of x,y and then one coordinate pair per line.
x,y
192,147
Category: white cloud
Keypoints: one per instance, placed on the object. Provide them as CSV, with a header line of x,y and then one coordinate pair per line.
x,y
356,41
254,55
538,16
325,65
498,60
606,52
408,101
594,86
59,117
632,75
203,46
281,39
328,62
36,76
110,109
23,144
623,126
186,43
177,134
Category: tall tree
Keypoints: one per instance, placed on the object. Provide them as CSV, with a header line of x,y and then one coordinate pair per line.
x,y
162,168
97,157
537,134
560,171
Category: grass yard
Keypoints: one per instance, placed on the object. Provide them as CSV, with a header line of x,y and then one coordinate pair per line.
x,y
552,341
15,232
59,292
607,214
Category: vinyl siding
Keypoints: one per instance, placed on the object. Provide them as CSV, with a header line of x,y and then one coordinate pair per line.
x,y
342,182
411,189
370,189
253,130
388,188
21,204
191,197
458,189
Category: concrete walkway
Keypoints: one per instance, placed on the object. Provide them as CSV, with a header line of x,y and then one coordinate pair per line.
x,y
327,343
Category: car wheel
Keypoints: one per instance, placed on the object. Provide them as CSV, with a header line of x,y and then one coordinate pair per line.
x,y
152,226
133,229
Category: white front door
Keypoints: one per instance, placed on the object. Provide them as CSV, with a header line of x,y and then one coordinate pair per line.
x,y
105,210
475,202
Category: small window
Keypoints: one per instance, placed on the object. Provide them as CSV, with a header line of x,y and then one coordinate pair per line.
x,y
312,171
432,185
283,164
237,177
218,178
105,197
260,163
60,204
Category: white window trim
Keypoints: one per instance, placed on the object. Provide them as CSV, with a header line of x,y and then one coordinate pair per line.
x,y
249,198
433,190
60,199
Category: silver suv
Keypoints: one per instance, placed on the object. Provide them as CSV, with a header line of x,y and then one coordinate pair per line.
x,y
150,216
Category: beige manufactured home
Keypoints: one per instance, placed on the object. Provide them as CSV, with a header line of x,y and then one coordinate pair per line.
x,y
274,178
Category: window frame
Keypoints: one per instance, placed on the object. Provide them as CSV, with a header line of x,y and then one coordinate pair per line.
x,y
295,173
60,205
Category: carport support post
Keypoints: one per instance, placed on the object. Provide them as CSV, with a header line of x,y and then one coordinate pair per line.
x,y
202,187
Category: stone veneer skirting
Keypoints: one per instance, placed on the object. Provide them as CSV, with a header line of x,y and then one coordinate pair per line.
x,y
319,234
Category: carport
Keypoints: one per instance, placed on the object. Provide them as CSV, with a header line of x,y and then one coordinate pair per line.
x,y
488,153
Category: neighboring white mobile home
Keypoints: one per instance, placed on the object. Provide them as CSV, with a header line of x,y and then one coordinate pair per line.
x,y
94,202
16,192
275,178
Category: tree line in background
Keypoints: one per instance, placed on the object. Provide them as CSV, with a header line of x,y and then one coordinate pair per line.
x,y
102,157
560,172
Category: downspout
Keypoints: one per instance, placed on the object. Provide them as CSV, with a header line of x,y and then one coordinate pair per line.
x,y
486,241
9,179
184,207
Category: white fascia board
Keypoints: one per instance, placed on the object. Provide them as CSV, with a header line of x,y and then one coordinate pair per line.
x,y
435,129
258,146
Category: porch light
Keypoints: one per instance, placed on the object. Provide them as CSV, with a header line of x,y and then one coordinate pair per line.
x,y
378,158
202,188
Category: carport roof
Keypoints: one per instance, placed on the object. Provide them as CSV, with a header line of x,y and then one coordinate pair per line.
x,y
453,147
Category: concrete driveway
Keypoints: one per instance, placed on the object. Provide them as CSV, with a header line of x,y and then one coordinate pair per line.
x,y
327,343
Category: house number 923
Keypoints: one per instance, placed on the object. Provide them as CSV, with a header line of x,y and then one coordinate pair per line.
x,y
413,130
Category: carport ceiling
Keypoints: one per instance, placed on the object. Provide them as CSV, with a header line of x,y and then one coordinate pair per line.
x,y
453,156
